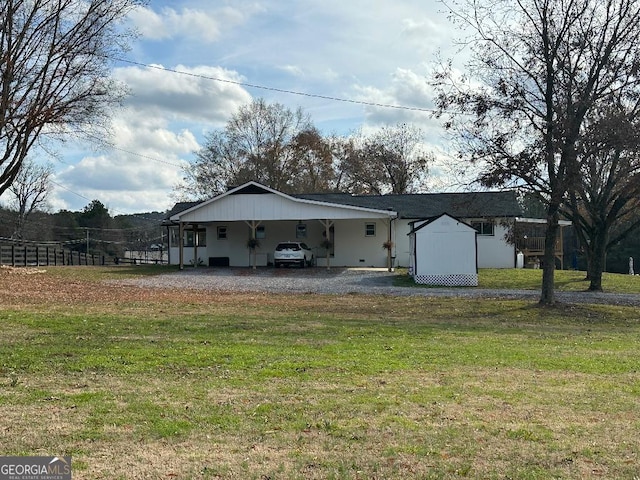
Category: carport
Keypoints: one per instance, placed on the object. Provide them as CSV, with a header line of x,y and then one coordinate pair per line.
x,y
219,230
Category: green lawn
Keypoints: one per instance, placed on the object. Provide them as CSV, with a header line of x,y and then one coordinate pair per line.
x,y
190,385
530,279
565,280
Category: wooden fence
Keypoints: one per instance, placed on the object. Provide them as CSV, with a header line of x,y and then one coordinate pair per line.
x,y
33,255
138,261
37,255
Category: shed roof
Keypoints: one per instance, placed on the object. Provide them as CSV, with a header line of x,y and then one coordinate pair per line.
x,y
420,224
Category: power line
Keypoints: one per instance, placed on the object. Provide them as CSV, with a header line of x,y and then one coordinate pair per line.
x,y
145,156
243,84
99,141
274,89
70,191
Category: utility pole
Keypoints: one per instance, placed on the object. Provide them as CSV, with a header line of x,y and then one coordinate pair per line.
x,y
87,241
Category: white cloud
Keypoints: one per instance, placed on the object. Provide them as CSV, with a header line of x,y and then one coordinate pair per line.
x,y
131,184
202,24
158,129
148,23
349,50
198,94
293,70
136,174
405,89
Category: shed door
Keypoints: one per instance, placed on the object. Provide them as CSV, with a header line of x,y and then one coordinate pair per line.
x,y
445,253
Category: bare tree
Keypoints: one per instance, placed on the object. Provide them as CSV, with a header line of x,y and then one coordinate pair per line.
x,y
54,75
538,68
259,143
30,190
215,169
391,160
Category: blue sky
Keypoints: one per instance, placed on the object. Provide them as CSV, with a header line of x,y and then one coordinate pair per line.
x,y
367,51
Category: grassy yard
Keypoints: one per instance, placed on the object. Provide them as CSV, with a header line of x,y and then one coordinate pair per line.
x,y
177,385
529,279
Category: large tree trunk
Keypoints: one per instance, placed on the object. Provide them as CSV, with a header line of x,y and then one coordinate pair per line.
x,y
597,252
547,296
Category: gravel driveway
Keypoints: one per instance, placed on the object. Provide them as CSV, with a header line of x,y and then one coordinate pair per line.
x,y
343,281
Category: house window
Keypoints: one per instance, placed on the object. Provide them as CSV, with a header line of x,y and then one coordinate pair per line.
x,y
222,233
200,237
301,230
370,230
483,228
188,238
173,237
261,232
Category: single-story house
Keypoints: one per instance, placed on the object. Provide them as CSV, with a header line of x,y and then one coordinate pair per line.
x,y
216,231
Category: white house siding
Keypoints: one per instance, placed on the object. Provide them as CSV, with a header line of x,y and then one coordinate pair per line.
x,y
280,213
402,250
351,246
494,251
265,206
443,252
234,247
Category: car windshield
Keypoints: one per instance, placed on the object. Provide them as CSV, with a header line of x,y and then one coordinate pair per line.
x,y
287,246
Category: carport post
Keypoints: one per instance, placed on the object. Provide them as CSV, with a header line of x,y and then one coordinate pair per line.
x,y
181,244
327,234
253,225
195,245
390,245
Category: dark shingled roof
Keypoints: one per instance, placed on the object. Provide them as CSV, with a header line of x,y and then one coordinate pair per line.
x,y
427,205
418,205
177,208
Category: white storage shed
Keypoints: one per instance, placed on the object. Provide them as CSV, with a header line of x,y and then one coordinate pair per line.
x,y
443,251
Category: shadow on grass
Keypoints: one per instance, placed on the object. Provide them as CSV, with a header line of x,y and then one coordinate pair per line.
x,y
565,281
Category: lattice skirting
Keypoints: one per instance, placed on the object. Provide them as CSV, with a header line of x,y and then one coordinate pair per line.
x,y
450,280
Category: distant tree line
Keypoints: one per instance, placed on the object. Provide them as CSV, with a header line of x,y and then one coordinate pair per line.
x,y
106,235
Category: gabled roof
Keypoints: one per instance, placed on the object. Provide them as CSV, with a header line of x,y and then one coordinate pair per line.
x,y
180,207
253,188
255,199
408,206
428,205
424,223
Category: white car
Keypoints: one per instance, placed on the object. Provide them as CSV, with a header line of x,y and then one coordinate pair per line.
x,y
292,253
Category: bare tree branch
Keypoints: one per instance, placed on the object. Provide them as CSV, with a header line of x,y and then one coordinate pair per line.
x,y
54,71
29,190
538,70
